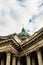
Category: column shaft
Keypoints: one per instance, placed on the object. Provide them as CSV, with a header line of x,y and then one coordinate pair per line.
x,y
33,62
8,58
2,61
13,60
39,57
18,62
28,60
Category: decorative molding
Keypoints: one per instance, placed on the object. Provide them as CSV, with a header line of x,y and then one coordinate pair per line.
x,y
13,44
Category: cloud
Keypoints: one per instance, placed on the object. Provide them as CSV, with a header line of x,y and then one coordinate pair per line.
x,y
2,23
38,21
40,3
21,3
14,16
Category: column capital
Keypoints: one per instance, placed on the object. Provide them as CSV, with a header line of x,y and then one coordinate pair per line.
x,y
8,54
18,58
37,50
27,54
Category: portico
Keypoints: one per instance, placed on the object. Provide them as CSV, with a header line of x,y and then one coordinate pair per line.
x,y
15,50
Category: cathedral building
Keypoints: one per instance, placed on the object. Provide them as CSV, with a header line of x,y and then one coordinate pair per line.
x,y
22,49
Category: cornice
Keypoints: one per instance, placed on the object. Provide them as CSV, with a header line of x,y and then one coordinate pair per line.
x,y
33,38
33,48
19,41
20,45
35,35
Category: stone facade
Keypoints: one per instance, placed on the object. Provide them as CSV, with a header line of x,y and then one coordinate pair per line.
x,y
15,50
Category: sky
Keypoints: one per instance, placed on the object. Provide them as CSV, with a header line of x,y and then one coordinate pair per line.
x,y
16,14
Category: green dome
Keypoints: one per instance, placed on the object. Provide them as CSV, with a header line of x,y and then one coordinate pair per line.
x,y
23,33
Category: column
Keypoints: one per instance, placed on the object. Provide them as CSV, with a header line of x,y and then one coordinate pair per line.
x,y
13,60
28,60
2,61
39,57
8,58
33,61
18,62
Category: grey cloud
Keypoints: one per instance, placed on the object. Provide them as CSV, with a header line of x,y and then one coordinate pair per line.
x,y
40,4
14,14
2,23
21,3
3,13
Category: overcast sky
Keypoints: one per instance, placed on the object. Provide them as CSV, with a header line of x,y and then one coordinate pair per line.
x,y
15,14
